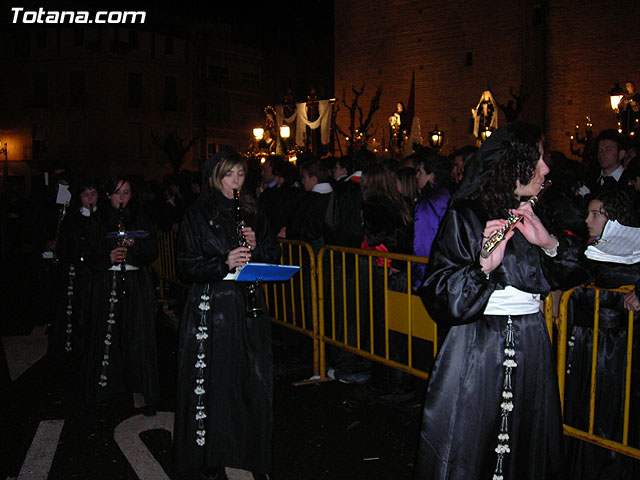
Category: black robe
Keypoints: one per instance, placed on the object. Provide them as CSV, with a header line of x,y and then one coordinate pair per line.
x,y
225,383
278,203
122,351
588,461
306,221
70,327
343,222
463,407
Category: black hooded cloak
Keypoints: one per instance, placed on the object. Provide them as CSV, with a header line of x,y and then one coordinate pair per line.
x,y
493,373
225,382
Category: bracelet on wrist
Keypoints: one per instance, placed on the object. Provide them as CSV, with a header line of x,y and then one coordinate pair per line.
x,y
552,252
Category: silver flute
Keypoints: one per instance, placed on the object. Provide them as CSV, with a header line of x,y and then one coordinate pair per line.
x,y
498,236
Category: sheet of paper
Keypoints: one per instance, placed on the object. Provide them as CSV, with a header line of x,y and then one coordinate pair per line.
x,y
618,244
64,195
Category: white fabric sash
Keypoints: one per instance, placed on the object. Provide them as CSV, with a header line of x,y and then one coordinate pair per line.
x,y
324,188
512,301
127,267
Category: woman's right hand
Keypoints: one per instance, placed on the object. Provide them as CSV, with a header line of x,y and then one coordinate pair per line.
x,y
238,257
118,254
495,258
631,302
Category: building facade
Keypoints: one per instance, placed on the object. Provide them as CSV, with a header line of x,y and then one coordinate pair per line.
x,y
104,99
563,57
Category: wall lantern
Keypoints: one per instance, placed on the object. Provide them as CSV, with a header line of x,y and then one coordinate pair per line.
x,y
616,94
436,137
486,133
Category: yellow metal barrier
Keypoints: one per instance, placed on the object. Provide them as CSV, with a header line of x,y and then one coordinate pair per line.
x,y
165,264
293,304
588,435
352,289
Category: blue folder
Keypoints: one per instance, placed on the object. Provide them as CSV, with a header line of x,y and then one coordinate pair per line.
x,y
266,272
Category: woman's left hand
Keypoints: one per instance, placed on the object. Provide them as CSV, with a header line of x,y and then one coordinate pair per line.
x,y
250,237
531,227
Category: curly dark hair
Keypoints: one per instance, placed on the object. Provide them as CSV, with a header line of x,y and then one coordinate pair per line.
x,y
618,205
517,160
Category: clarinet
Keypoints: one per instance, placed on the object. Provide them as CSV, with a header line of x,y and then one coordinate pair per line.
x,y
121,243
61,214
253,310
495,239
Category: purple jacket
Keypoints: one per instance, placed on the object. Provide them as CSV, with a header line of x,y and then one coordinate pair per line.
x,y
430,208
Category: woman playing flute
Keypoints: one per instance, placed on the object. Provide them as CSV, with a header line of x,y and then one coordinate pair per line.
x,y
492,408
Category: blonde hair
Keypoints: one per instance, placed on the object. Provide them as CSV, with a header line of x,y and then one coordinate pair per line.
x,y
224,166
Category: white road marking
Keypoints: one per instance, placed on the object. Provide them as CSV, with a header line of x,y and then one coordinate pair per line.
x,y
236,474
39,458
22,351
127,436
38,461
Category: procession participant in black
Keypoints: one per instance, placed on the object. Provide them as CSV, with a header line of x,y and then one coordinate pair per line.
x,y
69,330
587,461
492,409
225,383
122,354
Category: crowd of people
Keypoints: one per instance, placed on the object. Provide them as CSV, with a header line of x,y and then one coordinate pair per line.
x,y
492,405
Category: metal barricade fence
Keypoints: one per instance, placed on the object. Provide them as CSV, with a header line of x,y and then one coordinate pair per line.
x,y
352,299
165,264
367,307
293,304
594,370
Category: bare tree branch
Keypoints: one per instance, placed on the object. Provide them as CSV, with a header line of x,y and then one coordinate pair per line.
x,y
174,147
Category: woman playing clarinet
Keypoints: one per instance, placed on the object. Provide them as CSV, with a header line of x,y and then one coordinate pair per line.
x,y
122,353
224,392
492,408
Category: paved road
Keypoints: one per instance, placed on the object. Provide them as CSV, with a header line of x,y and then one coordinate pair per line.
x,y
321,431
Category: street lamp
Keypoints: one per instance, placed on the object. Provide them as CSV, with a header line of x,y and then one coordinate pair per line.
x,y
258,133
616,94
5,166
285,131
436,137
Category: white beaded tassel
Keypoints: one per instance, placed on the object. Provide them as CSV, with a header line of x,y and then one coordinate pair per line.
x,y
506,405
571,343
111,321
69,329
200,365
